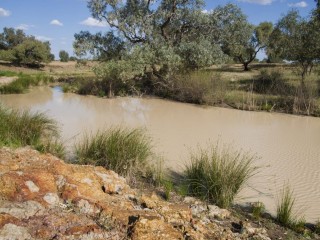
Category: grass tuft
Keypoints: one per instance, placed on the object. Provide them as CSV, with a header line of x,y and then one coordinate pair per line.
x,y
285,205
122,150
23,128
217,175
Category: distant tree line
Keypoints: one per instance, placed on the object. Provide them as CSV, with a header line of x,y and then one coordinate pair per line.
x,y
18,48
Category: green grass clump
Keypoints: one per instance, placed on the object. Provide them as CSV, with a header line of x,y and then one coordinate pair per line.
x,y
23,82
258,209
23,128
217,175
122,150
285,205
317,227
7,74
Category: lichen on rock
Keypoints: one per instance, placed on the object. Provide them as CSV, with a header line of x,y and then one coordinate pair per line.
x,y
42,197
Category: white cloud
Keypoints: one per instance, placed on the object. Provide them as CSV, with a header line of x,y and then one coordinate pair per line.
x,y
261,2
24,27
56,22
92,22
4,12
205,11
301,4
43,38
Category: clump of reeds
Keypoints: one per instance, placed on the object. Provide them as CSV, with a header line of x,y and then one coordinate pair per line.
x,y
122,150
285,208
217,175
24,128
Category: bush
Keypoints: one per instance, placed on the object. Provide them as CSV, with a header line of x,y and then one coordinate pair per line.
x,y
217,175
272,82
199,87
122,150
32,52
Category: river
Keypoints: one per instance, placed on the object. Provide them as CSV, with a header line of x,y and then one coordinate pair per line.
x,y
288,146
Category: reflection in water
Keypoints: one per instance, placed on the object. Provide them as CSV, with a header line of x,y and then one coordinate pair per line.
x,y
287,145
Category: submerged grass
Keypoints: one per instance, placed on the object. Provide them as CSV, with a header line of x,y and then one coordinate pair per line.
x,y
217,175
23,128
122,150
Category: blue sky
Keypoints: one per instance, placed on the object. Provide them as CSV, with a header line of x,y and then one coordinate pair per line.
x,y
58,20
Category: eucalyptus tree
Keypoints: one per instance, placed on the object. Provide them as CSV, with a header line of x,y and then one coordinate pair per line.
x,y
101,46
18,48
64,56
180,26
297,39
240,39
153,38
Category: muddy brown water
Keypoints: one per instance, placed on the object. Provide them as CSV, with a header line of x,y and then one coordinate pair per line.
x,y
288,146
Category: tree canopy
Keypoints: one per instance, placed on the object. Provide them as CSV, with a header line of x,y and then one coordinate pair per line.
x,y
18,48
64,56
297,39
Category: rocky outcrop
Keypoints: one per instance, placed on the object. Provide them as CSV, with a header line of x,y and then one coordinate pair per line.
x,y
42,197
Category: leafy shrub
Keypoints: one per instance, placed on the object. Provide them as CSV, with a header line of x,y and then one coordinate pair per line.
x,y
217,175
199,87
122,150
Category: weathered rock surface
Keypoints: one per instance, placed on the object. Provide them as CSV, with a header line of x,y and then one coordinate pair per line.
x,y
41,197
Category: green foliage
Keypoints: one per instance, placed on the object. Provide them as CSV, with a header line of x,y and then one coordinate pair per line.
x,y
64,56
21,128
20,49
161,36
272,82
7,74
258,209
168,187
297,39
217,175
285,207
102,46
244,45
317,227
122,150
23,82
32,52
53,146
11,38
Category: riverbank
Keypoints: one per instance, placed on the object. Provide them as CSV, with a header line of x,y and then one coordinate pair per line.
x,y
43,197
267,87
280,141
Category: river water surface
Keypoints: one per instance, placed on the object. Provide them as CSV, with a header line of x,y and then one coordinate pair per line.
x,y
288,146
